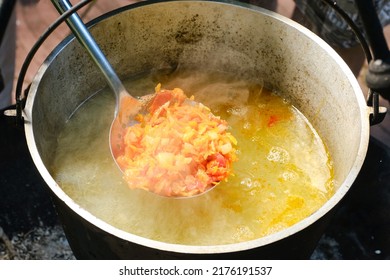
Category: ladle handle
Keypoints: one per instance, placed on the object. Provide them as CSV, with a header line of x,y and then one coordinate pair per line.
x,y
81,32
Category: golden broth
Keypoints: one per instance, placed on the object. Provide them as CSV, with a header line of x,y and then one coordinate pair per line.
x,y
283,173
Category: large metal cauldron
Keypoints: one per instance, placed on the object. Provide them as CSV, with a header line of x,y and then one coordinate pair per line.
x,y
223,36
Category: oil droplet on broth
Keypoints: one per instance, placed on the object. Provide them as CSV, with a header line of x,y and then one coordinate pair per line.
x,y
276,181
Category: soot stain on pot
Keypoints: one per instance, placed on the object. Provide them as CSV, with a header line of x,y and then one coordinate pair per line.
x,y
191,30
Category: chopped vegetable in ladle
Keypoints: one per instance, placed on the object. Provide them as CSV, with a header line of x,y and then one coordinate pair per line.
x,y
178,149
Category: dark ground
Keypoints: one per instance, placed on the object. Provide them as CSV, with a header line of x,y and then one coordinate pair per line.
x,y
29,228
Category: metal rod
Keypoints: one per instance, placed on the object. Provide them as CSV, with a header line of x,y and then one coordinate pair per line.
x,y
31,54
378,74
366,48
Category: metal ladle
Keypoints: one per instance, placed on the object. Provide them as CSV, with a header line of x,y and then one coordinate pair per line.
x,y
127,106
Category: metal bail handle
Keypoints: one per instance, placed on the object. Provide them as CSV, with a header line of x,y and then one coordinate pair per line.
x,y
378,76
20,98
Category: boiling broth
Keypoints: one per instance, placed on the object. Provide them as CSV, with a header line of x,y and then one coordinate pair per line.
x,y
283,173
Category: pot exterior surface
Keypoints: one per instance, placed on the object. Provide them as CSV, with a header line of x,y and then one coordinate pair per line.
x,y
217,36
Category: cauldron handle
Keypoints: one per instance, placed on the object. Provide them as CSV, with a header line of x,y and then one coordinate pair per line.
x,y
377,54
378,74
20,98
